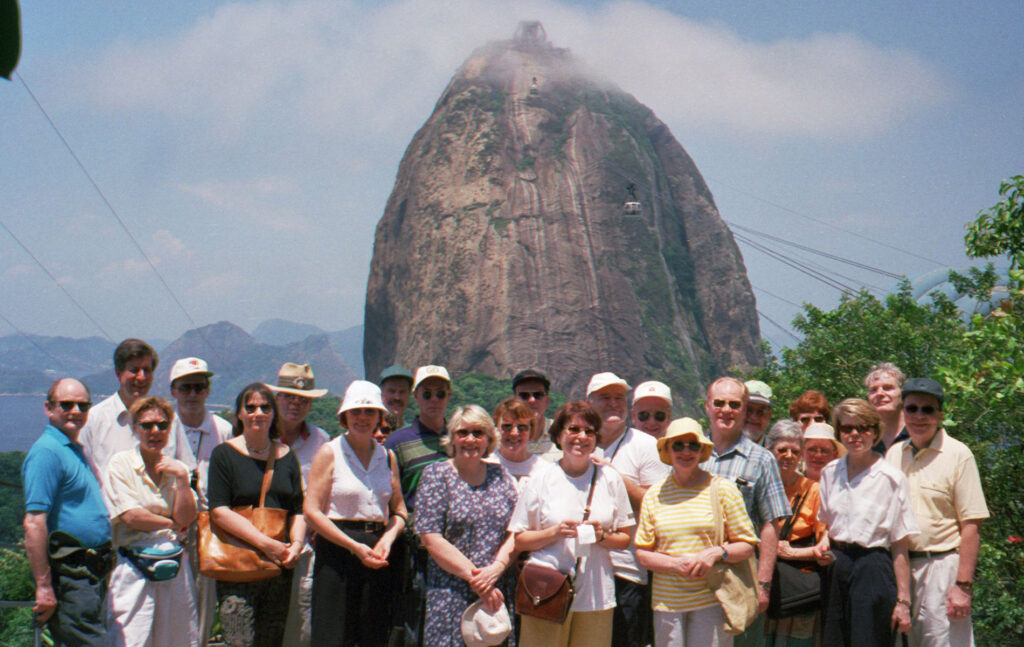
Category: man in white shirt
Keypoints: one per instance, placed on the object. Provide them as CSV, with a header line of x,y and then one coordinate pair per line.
x,y
109,429
634,455
296,390
190,386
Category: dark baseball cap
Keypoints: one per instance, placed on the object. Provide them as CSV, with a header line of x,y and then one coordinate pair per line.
x,y
924,385
530,374
395,370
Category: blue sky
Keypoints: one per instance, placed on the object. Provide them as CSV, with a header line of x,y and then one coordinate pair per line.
x,y
250,146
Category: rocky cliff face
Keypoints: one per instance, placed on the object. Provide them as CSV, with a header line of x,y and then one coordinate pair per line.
x,y
505,243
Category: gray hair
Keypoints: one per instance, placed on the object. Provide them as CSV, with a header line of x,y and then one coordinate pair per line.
x,y
885,368
784,430
471,414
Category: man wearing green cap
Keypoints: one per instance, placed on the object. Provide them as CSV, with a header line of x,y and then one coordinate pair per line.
x,y
395,388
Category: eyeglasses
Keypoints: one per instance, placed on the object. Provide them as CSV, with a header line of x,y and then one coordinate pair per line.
x,y
688,445
811,418
644,416
508,427
466,433
849,429
384,430
733,404
191,388
162,425
440,394
821,451
787,450
68,405
909,408
264,408
577,430
527,395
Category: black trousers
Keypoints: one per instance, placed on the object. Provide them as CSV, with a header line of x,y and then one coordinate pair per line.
x,y
351,604
858,598
632,618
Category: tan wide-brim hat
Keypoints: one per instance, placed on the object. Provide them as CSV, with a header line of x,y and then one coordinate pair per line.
x,y
682,429
824,431
297,379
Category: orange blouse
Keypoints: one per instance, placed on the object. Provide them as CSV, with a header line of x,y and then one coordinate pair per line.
x,y
806,524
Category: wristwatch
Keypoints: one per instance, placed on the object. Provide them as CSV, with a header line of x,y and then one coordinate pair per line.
x,y
725,554
966,585
765,584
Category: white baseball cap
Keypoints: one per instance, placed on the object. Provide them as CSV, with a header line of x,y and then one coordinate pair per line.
x,y
481,628
603,380
429,371
653,389
189,366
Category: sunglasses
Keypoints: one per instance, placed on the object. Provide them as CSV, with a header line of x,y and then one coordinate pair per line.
x,y
909,408
192,388
644,416
526,395
440,394
162,425
265,408
509,428
810,418
849,429
688,445
68,405
733,404
577,430
466,433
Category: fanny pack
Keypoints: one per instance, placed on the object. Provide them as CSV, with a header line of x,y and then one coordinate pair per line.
x,y
156,564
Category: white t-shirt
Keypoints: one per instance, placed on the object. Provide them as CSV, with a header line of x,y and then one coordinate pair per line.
x,y
519,471
872,510
108,431
201,440
635,456
551,496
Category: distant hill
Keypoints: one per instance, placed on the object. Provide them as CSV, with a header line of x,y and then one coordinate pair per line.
x,y
348,342
30,364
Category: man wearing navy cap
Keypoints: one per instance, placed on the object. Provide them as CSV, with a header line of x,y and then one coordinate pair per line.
x,y
945,490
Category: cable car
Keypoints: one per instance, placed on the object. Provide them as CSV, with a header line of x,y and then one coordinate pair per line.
x,y
534,88
632,206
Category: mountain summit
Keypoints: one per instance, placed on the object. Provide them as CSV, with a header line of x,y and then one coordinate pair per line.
x,y
544,218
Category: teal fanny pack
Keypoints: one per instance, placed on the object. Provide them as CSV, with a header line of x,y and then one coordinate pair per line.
x,y
155,564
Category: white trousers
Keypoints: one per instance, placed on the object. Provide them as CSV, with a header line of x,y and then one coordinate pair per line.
x,y
700,628
931,580
143,613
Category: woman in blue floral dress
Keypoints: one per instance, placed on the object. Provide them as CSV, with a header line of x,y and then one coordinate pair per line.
x,y
463,509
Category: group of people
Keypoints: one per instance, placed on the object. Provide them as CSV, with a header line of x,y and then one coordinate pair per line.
x,y
426,533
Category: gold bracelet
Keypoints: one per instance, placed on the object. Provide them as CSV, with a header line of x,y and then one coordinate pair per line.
x,y
905,603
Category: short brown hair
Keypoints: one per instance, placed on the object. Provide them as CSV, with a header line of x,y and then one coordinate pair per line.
x,y
566,412
861,411
809,402
147,403
515,409
131,348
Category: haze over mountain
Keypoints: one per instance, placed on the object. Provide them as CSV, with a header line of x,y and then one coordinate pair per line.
x,y
30,364
506,242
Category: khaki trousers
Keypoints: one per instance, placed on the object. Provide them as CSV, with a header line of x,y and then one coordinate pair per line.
x,y
580,629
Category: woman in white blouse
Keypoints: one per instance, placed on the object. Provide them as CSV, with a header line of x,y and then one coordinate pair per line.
x,y
354,503
547,522
151,507
865,503
515,422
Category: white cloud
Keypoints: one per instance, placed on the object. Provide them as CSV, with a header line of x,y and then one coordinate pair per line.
x,y
342,69
262,201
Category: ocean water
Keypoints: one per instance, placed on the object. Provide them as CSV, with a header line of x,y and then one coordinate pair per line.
x,y
21,421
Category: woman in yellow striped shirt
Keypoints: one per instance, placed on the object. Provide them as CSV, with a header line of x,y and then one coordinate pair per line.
x,y
675,541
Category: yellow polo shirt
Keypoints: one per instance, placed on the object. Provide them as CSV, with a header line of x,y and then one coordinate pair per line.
x,y
945,489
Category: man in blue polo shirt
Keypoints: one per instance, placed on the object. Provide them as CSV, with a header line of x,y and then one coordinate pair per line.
x,y
67,531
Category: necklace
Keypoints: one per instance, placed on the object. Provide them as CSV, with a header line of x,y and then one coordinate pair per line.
x,y
256,452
